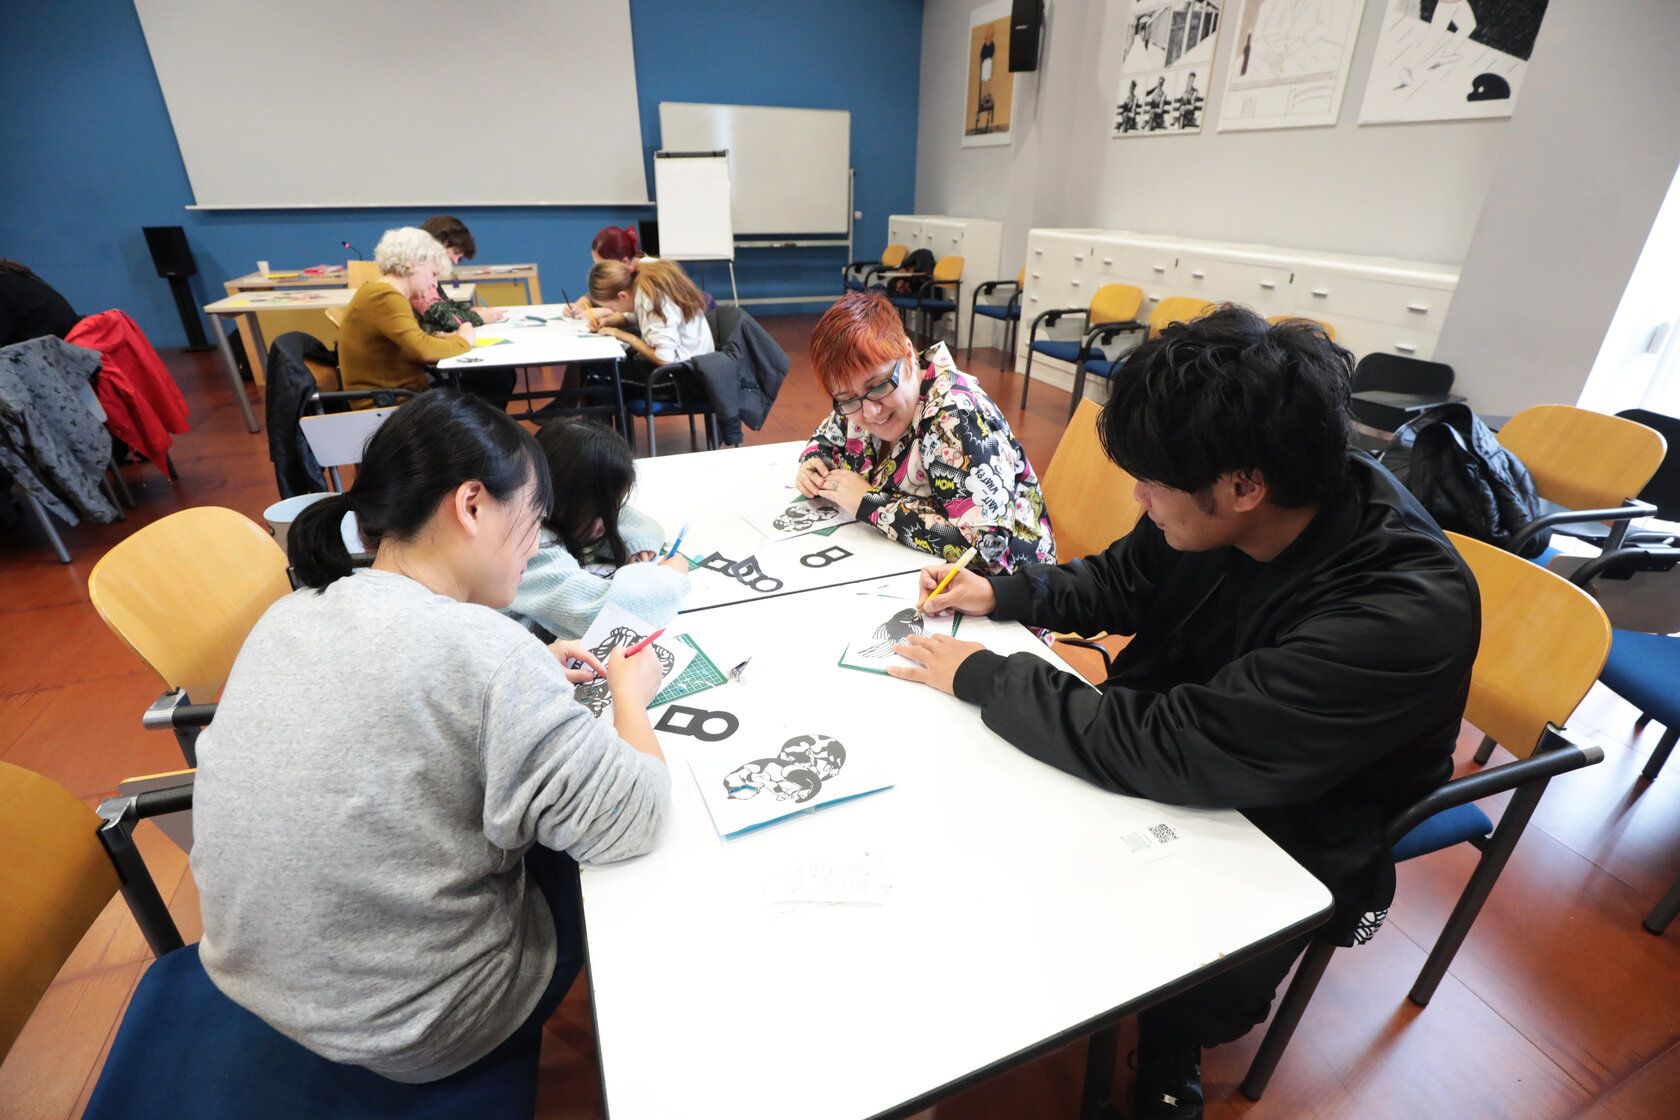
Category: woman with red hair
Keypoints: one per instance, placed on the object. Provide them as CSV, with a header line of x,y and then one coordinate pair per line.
x,y
916,448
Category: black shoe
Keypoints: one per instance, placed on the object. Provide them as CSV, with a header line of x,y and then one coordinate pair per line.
x,y
1169,1078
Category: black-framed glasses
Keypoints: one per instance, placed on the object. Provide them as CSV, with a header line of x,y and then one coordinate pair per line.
x,y
882,389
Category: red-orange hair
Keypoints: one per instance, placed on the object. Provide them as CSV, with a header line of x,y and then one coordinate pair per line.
x,y
859,334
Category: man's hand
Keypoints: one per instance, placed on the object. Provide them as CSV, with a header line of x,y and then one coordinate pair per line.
x,y
574,651
936,656
968,593
809,477
844,488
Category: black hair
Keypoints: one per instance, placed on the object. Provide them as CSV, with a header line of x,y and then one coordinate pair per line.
x,y
1230,392
426,449
592,470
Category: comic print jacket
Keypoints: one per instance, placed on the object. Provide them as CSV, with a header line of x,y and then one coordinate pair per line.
x,y
957,477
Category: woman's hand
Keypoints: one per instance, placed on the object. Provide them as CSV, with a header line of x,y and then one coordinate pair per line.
x,y
467,331
844,488
641,557
937,657
676,564
968,593
633,681
808,478
491,314
566,652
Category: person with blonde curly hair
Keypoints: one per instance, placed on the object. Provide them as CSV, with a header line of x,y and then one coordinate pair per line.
x,y
381,345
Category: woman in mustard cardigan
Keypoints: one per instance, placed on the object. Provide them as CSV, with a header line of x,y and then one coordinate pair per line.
x,y
381,345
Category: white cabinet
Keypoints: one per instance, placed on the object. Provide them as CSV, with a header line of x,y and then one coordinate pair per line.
x,y
977,240
1373,304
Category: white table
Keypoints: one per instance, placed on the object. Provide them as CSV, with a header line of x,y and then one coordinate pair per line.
x,y
540,336
245,306
714,492
1017,921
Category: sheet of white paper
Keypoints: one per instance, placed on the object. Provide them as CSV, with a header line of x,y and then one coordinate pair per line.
x,y
888,620
615,628
795,517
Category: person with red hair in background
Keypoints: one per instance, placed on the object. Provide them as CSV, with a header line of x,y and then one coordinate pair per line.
x,y
613,243
916,448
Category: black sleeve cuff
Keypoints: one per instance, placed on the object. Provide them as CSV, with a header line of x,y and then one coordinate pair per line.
x,y
1014,597
973,682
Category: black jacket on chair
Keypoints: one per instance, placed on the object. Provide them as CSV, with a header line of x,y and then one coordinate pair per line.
x,y
1318,693
1455,467
290,385
744,374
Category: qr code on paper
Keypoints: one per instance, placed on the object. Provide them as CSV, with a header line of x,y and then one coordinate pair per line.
x,y
1163,832
1151,843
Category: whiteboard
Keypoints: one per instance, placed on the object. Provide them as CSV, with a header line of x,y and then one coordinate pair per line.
x,y
423,103
692,192
790,168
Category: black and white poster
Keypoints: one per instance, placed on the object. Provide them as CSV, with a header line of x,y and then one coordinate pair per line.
x,y
1165,67
1450,60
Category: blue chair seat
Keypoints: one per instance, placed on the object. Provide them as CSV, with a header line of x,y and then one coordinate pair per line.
x,y
1644,670
1443,830
188,1052
938,305
1056,348
1010,311
640,407
854,284
1102,367
909,303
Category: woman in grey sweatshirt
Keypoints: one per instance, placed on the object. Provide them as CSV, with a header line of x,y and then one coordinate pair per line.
x,y
398,786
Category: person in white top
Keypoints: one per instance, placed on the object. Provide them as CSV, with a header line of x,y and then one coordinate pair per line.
x,y
663,303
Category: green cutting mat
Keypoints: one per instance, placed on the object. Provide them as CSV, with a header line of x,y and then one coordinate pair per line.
x,y
700,675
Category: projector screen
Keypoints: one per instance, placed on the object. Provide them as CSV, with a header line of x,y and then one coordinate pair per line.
x,y
282,104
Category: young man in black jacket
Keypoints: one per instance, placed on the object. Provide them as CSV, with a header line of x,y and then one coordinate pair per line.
x,y
1302,636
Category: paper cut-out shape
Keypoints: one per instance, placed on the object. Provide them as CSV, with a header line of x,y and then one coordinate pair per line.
x,y
892,632
681,720
745,572
796,773
833,554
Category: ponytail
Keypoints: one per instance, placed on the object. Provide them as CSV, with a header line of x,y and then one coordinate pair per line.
x,y
426,449
617,243
315,544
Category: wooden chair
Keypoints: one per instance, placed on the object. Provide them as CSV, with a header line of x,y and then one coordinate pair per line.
x,y
1113,309
357,273
1329,331
1177,309
1587,466
183,593
1543,643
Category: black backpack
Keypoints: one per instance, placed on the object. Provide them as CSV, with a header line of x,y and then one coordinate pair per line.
x,y
919,261
1454,466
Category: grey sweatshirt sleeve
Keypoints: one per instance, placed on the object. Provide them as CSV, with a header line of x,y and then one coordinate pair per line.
x,y
556,776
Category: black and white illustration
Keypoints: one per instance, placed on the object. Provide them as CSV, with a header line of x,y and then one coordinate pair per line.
x,y
792,770
796,517
613,629
1289,65
1445,60
872,649
1165,62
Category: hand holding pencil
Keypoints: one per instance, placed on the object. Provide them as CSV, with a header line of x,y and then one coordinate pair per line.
x,y
952,587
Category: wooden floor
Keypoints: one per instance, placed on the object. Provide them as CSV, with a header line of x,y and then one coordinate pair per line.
x,y
1559,1005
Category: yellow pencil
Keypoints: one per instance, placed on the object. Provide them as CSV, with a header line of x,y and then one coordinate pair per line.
x,y
961,563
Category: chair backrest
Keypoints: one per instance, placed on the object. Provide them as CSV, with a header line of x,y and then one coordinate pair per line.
x,y
1021,277
1396,373
1176,309
1329,331
184,592
1115,303
55,878
893,255
1544,641
1663,491
1089,499
338,439
357,273
947,270
1582,459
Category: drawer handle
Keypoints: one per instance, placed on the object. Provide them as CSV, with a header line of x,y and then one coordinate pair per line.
x,y
1108,260
1418,308
1074,283
956,239
1079,256
1160,268
1040,252
1405,348
1268,284
1321,293
1033,298
1198,274
1035,276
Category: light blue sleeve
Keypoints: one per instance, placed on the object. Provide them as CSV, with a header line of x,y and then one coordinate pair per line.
x,y
641,533
565,599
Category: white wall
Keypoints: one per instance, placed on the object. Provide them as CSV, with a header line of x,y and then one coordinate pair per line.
x,y
1590,156
1411,191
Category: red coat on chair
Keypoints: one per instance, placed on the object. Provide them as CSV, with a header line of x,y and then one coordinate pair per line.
x,y
142,403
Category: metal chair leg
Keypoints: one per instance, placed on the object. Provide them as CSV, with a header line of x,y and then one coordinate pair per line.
x,y
1288,1017
970,355
1485,751
46,524
1102,1049
1026,378
1657,920
1476,891
1665,747
124,495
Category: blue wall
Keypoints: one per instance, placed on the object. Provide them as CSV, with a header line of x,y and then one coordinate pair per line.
x,y
89,156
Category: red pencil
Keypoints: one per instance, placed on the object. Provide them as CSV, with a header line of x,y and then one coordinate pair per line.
x,y
644,643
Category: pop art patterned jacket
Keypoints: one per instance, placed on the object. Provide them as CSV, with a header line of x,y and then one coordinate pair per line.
x,y
957,477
